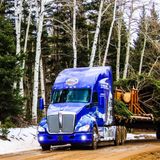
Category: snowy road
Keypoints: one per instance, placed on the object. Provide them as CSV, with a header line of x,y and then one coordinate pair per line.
x,y
21,140
110,152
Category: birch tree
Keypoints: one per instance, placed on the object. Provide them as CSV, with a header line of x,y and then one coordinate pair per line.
x,y
110,34
74,34
37,62
18,18
25,49
27,33
147,44
143,49
118,48
119,35
94,46
128,41
42,82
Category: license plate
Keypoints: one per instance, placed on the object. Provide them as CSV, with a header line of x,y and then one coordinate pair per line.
x,y
60,138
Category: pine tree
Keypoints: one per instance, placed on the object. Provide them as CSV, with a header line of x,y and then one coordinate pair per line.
x,y
152,42
10,100
148,82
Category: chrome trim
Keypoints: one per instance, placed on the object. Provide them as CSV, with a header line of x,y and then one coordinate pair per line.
x,y
61,123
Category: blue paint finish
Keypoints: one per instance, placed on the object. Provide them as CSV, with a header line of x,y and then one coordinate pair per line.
x,y
41,103
75,138
86,120
97,79
87,77
43,121
74,107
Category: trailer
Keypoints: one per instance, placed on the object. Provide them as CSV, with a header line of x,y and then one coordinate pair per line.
x,y
81,111
139,119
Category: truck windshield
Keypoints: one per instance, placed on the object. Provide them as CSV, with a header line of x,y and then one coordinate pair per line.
x,y
71,95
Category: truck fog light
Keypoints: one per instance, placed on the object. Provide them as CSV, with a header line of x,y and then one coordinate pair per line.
x,y
83,138
41,138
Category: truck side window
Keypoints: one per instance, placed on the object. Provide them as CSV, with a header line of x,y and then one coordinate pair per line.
x,y
95,97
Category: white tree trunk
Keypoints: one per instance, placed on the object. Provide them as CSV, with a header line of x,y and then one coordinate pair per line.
x,y
74,35
118,49
128,44
94,46
153,65
27,31
42,80
127,55
99,52
143,50
18,17
24,51
142,55
110,33
37,63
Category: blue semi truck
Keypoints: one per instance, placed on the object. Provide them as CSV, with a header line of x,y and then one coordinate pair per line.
x,y
81,110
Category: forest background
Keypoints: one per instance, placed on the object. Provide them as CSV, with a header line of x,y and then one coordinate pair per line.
x,y
39,38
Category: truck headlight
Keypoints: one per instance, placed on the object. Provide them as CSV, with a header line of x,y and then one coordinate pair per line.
x,y
41,129
84,128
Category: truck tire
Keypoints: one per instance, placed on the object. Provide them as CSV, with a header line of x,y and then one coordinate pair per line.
x,y
45,147
94,139
117,140
158,133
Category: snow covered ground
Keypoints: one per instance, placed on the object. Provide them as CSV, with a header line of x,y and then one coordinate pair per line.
x,y
137,136
23,139
20,139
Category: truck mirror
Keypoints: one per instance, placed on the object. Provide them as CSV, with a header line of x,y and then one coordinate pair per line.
x,y
41,103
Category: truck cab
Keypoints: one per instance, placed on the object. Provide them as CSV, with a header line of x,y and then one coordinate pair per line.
x,y
81,109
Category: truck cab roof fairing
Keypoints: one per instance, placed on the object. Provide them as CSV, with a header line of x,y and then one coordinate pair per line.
x,y
81,77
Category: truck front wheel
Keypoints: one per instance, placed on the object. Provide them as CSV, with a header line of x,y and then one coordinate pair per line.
x,y
45,147
94,138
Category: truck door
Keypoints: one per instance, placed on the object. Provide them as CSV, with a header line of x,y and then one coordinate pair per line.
x,y
105,101
95,110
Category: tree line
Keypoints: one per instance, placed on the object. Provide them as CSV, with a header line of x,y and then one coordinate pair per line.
x,y
39,38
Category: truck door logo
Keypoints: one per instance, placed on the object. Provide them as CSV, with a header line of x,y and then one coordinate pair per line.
x,y
71,81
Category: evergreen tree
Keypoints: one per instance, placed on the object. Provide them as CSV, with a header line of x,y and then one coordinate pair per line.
x,y
103,37
148,82
152,42
10,101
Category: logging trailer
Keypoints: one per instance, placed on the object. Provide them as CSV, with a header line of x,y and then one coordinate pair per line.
x,y
81,111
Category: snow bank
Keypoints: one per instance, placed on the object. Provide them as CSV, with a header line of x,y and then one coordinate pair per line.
x,y
131,136
23,139
20,139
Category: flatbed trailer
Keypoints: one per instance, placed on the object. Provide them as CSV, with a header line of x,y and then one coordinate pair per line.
x,y
139,118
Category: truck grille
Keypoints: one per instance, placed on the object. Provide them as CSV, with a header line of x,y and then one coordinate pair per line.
x,y
61,123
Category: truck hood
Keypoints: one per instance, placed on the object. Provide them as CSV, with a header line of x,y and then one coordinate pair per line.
x,y
66,107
